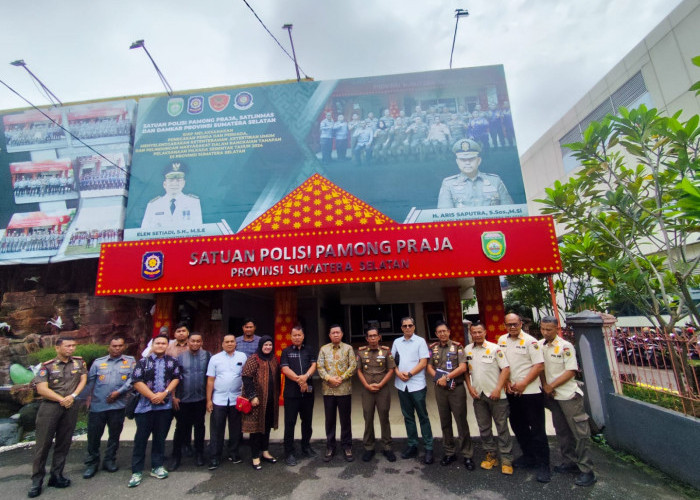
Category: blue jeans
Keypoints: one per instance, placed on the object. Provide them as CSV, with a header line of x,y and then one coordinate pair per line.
x,y
151,422
412,403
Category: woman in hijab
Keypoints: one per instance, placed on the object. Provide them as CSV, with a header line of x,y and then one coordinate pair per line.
x,y
261,385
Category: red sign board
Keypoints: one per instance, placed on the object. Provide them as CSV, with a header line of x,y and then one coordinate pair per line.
x,y
391,252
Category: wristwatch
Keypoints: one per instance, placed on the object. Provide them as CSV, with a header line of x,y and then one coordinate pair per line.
x,y
448,379
410,374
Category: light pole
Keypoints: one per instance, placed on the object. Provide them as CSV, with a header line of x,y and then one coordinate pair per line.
x,y
52,97
288,27
141,44
458,13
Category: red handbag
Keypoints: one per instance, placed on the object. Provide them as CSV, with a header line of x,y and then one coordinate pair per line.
x,y
243,405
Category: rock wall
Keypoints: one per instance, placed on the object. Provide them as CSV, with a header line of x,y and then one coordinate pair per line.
x,y
86,318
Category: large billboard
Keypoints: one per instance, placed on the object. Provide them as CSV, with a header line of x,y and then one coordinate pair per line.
x,y
63,180
420,147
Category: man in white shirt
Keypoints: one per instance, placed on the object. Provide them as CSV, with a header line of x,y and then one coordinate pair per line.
x,y
565,401
488,374
525,397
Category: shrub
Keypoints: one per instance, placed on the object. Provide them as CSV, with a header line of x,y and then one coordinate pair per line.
x,y
663,399
89,352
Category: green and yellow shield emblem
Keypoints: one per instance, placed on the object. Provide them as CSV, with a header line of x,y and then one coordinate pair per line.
x,y
493,244
175,106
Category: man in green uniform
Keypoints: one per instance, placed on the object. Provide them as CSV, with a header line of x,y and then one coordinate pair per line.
x,y
59,382
447,366
375,368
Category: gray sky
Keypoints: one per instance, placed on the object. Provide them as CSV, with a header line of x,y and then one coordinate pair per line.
x,y
553,50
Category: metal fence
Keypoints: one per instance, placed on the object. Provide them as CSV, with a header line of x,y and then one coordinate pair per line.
x,y
656,366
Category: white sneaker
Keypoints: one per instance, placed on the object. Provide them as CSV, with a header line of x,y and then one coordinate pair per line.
x,y
159,472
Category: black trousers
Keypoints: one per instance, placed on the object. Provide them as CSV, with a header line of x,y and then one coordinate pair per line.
x,y
527,421
156,422
304,408
97,421
217,422
190,415
342,405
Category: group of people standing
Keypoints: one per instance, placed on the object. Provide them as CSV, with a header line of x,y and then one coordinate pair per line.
x,y
511,380
395,136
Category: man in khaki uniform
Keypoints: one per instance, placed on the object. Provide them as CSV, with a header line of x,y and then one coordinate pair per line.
x,y
565,400
375,368
488,373
525,397
447,366
59,382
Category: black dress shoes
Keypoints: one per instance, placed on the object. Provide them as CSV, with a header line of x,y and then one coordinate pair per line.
x,y
469,464
110,466
90,471
390,456
35,491
428,459
367,455
447,459
199,459
59,482
410,452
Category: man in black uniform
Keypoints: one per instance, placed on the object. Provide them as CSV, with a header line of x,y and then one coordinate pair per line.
x,y
298,363
59,382
375,368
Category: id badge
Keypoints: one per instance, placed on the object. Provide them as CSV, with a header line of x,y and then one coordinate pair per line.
x,y
449,364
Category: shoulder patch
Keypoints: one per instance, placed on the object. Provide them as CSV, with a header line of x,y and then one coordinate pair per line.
x,y
535,345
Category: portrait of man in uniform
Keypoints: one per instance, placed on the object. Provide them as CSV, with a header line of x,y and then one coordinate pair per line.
x,y
470,187
174,208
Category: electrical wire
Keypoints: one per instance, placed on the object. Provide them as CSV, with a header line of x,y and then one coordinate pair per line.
x,y
274,38
65,129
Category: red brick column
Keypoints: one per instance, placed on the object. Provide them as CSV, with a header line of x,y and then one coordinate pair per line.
x,y
490,302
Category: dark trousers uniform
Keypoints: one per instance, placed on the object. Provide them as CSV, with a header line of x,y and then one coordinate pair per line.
x,y
217,424
454,403
342,407
527,421
304,408
489,412
382,402
97,421
190,415
53,423
571,425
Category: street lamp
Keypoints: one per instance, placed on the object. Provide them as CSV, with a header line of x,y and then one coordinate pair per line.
x,y
458,13
52,97
288,27
141,44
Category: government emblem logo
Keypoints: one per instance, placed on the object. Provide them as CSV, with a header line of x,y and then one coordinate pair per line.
x,y
175,106
218,102
152,265
493,244
195,104
243,100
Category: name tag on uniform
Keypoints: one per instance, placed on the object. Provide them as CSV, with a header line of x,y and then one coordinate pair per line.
x,y
159,213
487,359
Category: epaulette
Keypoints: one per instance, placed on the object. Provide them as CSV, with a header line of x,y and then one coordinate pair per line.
x,y
458,344
48,362
364,348
384,347
434,344
191,195
450,177
77,357
154,199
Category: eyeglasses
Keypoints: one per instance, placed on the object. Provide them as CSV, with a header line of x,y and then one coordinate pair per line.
x,y
407,326
512,325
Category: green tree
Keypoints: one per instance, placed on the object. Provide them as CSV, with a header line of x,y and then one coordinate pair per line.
x,y
624,212
528,292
